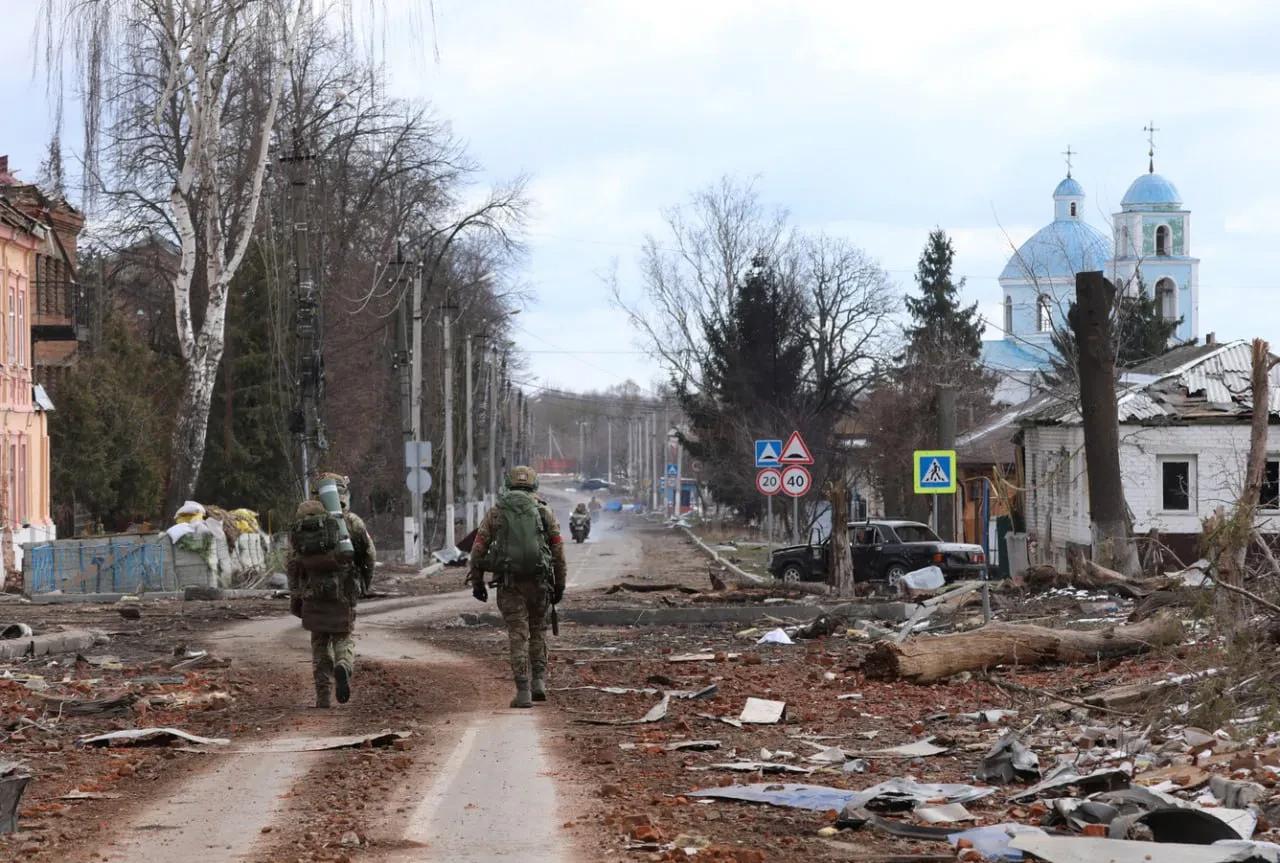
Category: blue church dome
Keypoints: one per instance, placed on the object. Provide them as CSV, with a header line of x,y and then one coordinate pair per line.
x,y
1151,190
1069,188
1059,250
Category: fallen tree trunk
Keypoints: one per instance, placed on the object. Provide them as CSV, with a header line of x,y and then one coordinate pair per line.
x,y
927,660
1087,575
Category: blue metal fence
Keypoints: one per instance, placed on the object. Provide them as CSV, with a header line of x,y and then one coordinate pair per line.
x,y
115,564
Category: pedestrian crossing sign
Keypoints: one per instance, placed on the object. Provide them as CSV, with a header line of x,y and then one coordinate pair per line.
x,y
935,471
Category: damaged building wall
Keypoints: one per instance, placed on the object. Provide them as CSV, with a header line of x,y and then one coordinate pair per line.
x,y
1174,476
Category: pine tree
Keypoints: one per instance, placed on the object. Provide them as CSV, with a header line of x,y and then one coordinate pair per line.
x,y
756,362
942,329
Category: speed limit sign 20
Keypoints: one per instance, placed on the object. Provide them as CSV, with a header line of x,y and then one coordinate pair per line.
x,y
769,481
796,481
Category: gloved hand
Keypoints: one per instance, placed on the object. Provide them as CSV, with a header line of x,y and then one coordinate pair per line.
x,y
557,594
478,590
295,606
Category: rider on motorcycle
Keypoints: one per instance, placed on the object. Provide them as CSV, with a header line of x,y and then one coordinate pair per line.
x,y
580,522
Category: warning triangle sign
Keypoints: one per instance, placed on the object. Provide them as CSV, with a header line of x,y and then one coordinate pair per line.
x,y
936,474
795,451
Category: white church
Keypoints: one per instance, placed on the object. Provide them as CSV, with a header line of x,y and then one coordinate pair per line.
x,y
1149,249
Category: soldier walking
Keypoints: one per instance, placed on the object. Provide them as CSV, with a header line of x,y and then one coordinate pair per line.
x,y
519,543
330,565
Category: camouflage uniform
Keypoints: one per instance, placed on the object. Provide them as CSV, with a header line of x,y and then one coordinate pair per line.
x,y
524,600
331,621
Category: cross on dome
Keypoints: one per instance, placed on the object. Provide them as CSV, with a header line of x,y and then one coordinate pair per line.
x,y
1151,130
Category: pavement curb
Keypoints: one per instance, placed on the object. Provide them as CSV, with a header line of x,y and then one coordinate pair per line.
x,y
736,570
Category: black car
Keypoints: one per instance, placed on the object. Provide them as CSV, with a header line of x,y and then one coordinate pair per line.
x,y
594,484
883,551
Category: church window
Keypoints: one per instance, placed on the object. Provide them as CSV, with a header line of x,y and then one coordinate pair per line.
x,y
1124,241
1073,209
1167,299
1162,240
1008,314
1044,321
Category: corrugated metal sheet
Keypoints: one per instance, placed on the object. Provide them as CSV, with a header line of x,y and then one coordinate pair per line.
x,y
1212,385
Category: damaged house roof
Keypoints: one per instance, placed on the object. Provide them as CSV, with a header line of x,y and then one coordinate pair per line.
x,y
1191,383
1195,383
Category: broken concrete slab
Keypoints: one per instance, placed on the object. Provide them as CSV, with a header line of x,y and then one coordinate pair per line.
x,y
71,641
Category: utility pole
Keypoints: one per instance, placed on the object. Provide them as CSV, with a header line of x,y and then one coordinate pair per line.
x,y
946,503
403,364
609,471
679,474
305,423
581,464
494,483
450,540
414,556
654,460
469,468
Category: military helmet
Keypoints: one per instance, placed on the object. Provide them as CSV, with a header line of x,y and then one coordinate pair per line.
x,y
308,508
523,477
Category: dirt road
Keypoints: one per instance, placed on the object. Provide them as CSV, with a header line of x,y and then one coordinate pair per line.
x,y
484,761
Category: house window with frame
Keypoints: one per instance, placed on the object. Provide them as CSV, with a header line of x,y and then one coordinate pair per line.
x,y
1270,496
1177,483
1044,321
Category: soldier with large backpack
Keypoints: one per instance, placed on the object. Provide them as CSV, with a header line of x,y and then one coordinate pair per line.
x,y
330,565
519,544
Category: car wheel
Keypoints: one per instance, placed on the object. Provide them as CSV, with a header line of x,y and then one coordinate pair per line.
x,y
792,573
894,574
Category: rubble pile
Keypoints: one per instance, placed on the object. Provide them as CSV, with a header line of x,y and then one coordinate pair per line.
x,y
788,738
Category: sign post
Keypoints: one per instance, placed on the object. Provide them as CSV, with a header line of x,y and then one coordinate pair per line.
x,y
796,479
934,473
768,483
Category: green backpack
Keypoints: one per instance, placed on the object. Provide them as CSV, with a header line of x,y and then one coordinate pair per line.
x,y
314,539
520,546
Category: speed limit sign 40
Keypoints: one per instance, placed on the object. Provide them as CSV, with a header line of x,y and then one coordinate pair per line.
x,y
796,481
769,481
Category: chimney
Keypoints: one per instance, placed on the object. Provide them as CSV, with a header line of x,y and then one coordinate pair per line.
x,y
4,164
1211,339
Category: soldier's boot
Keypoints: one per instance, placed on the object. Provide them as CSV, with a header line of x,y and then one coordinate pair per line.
x,y
342,683
322,695
524,698
538,686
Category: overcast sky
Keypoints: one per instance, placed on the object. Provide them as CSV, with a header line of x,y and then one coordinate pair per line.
x,y
872,121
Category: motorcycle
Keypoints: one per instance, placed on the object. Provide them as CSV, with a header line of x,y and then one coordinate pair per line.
x,y
579,527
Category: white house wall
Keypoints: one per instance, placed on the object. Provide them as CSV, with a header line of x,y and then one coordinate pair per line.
x,y
1058,489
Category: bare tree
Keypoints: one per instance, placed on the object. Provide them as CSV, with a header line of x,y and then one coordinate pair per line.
x,y
190,90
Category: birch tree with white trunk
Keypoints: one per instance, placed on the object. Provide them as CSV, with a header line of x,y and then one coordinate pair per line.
x,y
180,98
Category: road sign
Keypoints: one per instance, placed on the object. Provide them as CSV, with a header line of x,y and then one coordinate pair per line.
x,y
417,453
935,471
769,481
796,451
672,470
767,453
796,481
418,480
